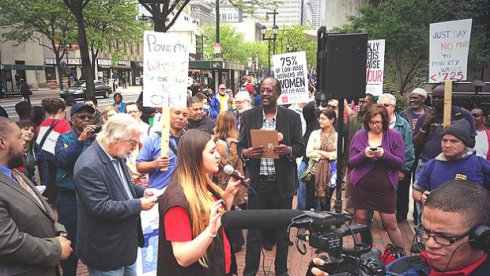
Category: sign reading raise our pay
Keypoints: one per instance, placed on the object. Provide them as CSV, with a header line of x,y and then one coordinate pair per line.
x,y
290,69
375,66
166,65
449,45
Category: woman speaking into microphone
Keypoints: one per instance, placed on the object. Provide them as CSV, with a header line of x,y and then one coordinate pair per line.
x,y
191,240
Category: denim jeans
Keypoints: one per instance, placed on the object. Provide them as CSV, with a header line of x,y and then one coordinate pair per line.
x,y
129,270
418,205
301,193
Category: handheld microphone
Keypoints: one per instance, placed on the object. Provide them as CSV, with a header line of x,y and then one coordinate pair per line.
x,y
229,170
246,219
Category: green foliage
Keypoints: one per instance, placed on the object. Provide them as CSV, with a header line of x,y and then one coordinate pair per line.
x,y
111,22
30,20
233,46
293,36
404,24
471,101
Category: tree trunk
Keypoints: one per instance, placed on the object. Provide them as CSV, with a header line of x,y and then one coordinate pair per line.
x,y
85,56
58,66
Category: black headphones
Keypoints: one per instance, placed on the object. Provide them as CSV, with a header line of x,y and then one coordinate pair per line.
x,y
479,237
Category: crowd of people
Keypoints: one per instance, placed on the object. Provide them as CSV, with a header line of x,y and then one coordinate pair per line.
x,y
78,177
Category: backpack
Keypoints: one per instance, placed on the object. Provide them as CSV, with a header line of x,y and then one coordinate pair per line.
x,y
391,253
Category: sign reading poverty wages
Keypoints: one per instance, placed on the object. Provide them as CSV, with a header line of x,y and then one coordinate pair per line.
x,y
375,66
449,45
166,65
291,71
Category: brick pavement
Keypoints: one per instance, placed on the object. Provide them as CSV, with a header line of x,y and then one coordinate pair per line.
x,y
298,263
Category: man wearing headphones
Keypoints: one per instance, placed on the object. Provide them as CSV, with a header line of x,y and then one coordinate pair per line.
x,y
456,230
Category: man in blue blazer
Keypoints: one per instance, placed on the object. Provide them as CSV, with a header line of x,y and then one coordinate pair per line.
x,y
109,205
275,180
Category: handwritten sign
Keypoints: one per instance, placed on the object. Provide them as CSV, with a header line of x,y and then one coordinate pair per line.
x,y
375,66
291,71
166,65
449,45
146,262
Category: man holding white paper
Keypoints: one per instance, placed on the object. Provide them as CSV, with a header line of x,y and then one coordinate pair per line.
x,y
273,179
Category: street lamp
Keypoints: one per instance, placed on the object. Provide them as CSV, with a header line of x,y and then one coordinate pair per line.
x,y
263,31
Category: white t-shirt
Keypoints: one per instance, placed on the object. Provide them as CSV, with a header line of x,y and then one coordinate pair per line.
x,y
481,145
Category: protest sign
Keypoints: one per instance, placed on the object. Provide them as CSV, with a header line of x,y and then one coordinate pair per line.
x,y
375,66
146,263
449,45
166,66
291,71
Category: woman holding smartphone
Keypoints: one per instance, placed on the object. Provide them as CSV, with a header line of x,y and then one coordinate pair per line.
x,y
376,156
191,239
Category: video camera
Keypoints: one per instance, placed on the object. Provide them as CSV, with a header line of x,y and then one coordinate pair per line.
x,y
326,231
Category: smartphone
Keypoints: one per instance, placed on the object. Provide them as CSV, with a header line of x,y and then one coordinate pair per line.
x,y
373,149
98,129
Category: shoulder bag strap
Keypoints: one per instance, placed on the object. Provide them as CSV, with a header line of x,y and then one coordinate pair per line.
x,y
51,127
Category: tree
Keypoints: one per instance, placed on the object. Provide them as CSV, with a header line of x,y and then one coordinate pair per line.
x,y
38,19
161,10
404,24
164,12
76,7
233,45
108,22
294,37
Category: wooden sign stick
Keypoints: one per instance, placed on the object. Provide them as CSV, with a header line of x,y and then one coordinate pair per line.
x,y
165,120
448,92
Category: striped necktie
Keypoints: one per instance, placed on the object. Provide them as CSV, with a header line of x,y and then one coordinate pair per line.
x,y
26,186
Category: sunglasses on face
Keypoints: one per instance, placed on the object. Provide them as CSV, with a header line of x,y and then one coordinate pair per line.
x,y
85,117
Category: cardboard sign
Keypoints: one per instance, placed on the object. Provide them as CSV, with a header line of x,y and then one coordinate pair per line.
x,y
449,45
291,71
375,67
165,67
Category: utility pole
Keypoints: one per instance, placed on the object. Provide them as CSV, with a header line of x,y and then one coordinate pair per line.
x,y
220,72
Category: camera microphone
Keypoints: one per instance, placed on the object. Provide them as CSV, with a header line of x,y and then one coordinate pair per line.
x,y
247,219
229,170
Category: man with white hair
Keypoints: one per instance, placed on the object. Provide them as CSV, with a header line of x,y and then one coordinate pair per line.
x,y
401,125
243,103
416,106
109,205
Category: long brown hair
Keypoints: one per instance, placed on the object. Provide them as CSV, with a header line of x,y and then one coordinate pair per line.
x,y
225,126
194,183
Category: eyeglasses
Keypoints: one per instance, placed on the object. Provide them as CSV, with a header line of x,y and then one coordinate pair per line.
x,y
476,115
440,239
268,91
85,117
385,105
375,123
133,143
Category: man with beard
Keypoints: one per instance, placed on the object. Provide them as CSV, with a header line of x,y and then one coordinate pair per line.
x,y
197,116
150,159
416,107
32,243
68,148
109,205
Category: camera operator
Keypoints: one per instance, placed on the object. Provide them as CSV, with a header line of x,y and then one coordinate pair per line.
x,y
69,147
456,228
